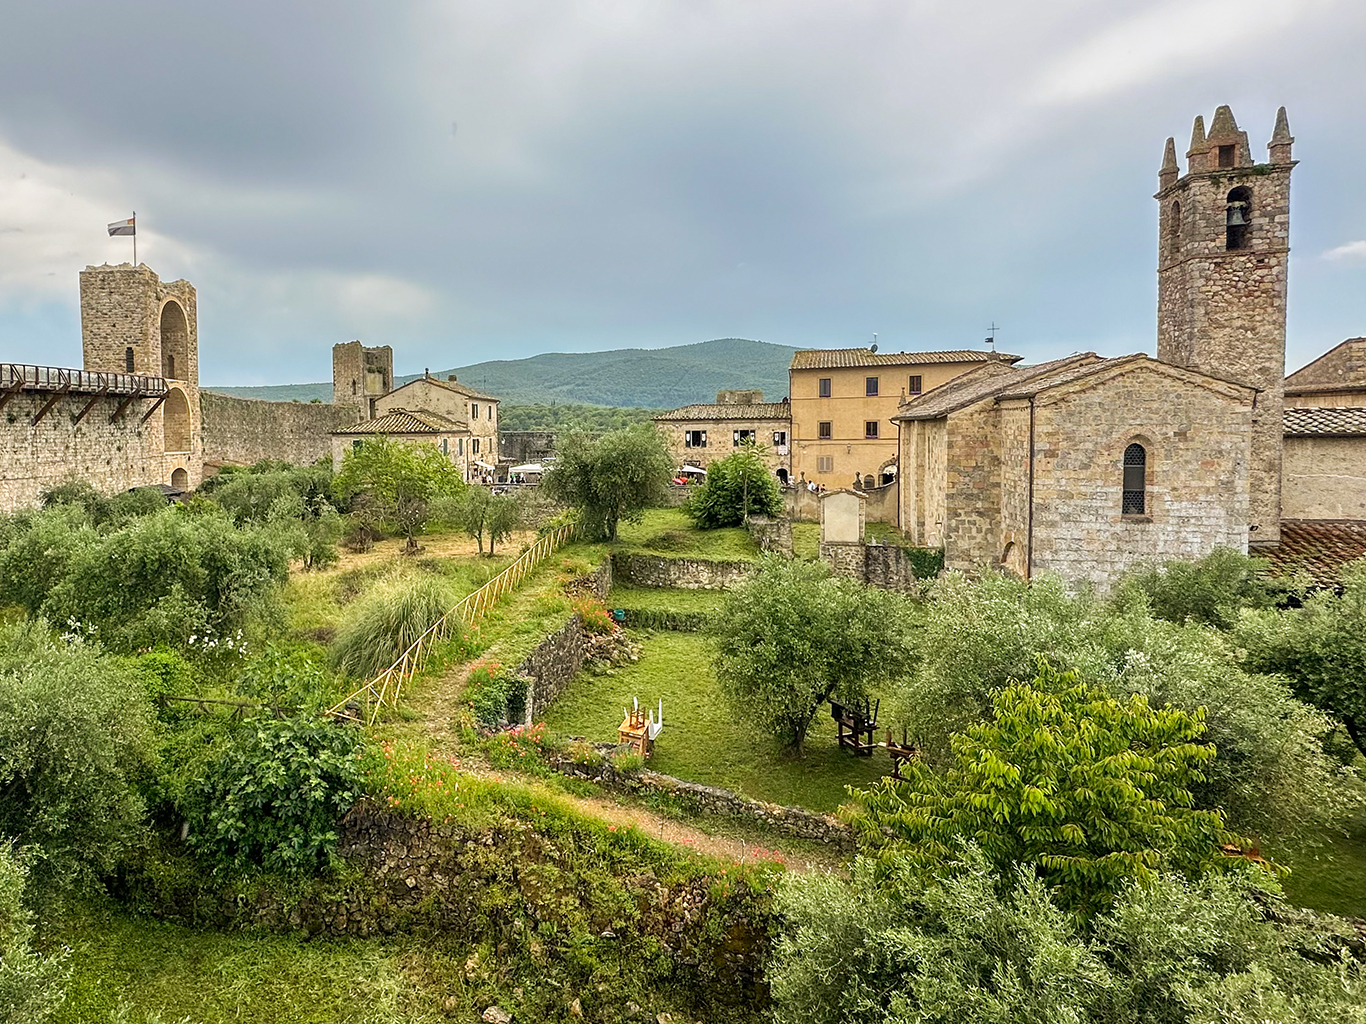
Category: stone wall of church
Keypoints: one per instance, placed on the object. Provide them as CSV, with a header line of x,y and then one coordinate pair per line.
x,y
1325,478
921,481
241,431
1013,543
1197,476
972,504
111,456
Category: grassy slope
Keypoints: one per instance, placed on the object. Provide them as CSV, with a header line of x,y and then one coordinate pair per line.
x,y
661,378
170,973
703,740
667,531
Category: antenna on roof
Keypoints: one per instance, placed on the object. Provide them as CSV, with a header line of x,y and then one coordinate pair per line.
x,y
874,348
991,339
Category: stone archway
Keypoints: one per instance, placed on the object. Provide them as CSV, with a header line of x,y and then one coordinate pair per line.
x,y
180,480
176,413
175,342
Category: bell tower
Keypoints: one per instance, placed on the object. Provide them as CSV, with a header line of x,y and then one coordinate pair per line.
x,y
1223,251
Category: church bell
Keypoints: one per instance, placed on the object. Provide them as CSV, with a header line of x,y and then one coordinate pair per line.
x,y
1235,215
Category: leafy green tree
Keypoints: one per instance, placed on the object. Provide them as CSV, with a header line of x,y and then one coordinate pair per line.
x,y
469,510
736,487
1320,647
1211,590
400,478
976,636
610,479
1089,791
275,795
32,986
563,416
504,516
973,946
74,738
794,635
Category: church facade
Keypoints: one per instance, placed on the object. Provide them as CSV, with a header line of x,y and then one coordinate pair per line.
x,y
1087,466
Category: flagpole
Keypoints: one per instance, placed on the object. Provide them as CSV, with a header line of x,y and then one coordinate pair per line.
x,y
135,239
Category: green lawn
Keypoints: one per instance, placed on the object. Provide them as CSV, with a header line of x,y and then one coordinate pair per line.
x,y
139,971
667,531
806,540
1330,877
702,740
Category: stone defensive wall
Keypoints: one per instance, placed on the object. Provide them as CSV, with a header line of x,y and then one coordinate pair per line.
x,y
247,430
112,456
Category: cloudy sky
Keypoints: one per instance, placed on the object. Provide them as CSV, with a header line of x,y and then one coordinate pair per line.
x,y
493,179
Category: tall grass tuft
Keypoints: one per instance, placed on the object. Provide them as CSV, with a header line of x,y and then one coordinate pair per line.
x,y
384,623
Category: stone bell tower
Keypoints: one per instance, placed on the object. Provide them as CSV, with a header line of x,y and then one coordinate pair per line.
x,y
1223,250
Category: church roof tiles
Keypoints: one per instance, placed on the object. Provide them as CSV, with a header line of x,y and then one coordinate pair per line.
x,y
403,421
1320,547
986,381
1349,422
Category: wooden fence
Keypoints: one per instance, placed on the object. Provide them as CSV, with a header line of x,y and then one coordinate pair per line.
x,y
385,688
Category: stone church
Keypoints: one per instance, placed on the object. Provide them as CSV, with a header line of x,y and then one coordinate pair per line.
x,y
1086,466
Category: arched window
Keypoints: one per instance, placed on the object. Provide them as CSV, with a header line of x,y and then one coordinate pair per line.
x,y
1135,502
128,360
175,341
1238,218
1174,230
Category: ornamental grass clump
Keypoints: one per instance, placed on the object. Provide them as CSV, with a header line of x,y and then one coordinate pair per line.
x,y
386,622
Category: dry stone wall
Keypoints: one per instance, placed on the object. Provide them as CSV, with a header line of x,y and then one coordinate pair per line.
x,y
678,573
557,659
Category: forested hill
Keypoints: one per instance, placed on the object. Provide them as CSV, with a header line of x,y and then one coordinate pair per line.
x,y
660,378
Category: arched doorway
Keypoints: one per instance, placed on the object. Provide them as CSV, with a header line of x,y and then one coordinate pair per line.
x,y
180,480
175,342
177,421
782,476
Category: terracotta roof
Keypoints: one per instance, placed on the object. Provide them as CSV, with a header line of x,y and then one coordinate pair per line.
x,y
1321,547
762,411
402,421
1325,422
838,358
450,385
986,381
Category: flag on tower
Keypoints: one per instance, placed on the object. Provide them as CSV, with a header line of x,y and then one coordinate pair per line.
x,y
124,227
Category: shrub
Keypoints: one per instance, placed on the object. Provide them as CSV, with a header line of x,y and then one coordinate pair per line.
x,y
976,946
1089,792
74,737
495,695
1211,590
274,796
32,986
384,623
736,487
521,747
593,615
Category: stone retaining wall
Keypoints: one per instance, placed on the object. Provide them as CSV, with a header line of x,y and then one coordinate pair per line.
x,y
678,573
557,659
773,535
797,822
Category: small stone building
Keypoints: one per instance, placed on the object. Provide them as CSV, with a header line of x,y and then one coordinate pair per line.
x,y
460,421
699,435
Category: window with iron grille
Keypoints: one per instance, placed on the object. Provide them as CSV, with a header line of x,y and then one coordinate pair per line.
x,y
825,464
1135,472
917,384
823,430
825,387
870,428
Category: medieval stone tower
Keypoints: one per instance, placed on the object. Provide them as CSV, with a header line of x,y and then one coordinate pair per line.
x,y
1223,250
134,323
360,375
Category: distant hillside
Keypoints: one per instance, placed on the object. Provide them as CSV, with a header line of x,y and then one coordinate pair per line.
x,y
661,378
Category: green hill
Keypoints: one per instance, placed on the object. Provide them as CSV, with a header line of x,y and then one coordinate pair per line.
x,y
660,378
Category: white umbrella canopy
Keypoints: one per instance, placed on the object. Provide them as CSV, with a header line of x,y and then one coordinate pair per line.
x,y
530,467
694,469
484,465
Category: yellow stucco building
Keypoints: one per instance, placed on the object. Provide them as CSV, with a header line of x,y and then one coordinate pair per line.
x,y
843,401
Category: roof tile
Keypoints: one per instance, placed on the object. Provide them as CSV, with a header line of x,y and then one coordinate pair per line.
x,y
1321,547
1325,422
403,421
840,358
762,411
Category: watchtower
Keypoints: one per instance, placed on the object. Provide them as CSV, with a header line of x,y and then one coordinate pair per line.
x,y
360,375
134,323
1223,251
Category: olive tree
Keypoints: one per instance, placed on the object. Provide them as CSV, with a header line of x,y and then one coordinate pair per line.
x,y
794,635
399,479
611,478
